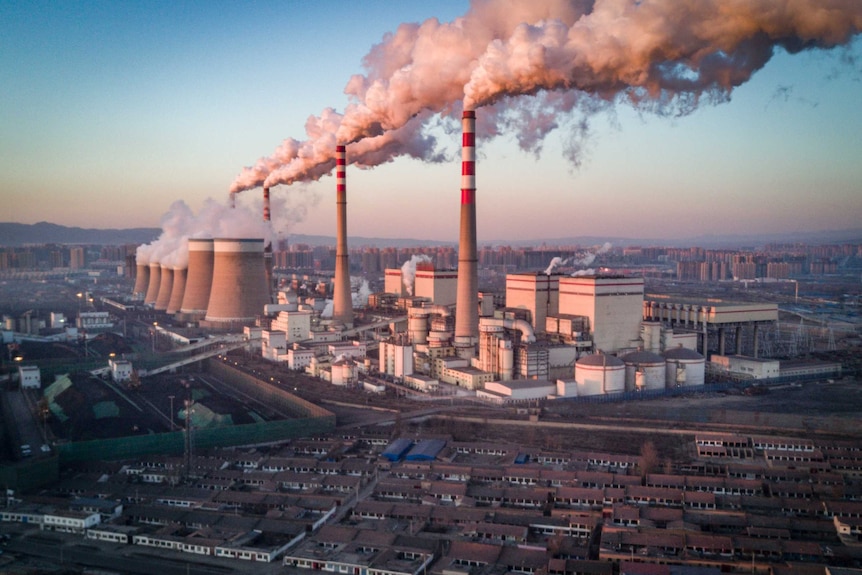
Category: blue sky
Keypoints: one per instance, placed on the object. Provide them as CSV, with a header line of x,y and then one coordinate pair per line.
x,y
112,111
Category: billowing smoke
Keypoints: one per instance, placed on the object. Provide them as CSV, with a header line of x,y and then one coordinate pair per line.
x,y
359,292
214,220
539,66
408,270
588,272
555,263
590,256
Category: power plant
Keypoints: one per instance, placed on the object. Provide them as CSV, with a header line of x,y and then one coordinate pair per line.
x,y
199,278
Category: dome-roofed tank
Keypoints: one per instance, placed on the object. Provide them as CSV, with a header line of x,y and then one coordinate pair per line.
x,y
684,367
645,370
599,373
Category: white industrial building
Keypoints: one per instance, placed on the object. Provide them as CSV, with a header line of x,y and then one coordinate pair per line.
x,y
613,306
29,377
121,369
536,292
746,367
396,357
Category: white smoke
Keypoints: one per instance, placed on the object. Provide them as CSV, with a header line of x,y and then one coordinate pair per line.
x,y
214,220
327,310
578,56
590,256
408,271
588,272
359,296
555,263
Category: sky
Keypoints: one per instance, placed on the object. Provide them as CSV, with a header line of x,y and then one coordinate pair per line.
x,y
112,112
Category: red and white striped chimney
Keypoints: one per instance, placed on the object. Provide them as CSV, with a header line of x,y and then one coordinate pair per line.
x,y
466,304
342,304
267,249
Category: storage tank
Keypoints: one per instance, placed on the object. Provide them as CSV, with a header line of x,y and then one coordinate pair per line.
x,y
166,284
153,284
178,290
598,373
645,370
199,278
417,323
684,367
239,290
506,359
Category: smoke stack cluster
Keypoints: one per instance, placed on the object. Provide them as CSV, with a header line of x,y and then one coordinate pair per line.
x,y
153,284
177,290
466,310
342,304
166,284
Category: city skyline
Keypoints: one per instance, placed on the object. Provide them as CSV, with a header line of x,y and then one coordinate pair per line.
x,y
114,113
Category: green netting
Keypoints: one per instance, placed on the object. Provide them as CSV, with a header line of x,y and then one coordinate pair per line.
x,y
61,384
105,409
202,416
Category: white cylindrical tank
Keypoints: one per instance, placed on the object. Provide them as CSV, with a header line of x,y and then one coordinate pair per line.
x,y
417,323
166,284
684,367
644,370
153,284
599,373
651,331
506,358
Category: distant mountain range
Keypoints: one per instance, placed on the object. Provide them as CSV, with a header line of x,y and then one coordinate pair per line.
x,y
14,234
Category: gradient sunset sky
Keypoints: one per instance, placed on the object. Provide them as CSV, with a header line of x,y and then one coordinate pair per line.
x,y
112,111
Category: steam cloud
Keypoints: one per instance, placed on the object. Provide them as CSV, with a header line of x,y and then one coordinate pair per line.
x,y
408,271
214,220
571,57
555,263
589,258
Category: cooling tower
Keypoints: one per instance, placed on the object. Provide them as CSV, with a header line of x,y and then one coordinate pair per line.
x,y
142,279
239,291
342,304
153,284
199,278
466,311
178,290
166,284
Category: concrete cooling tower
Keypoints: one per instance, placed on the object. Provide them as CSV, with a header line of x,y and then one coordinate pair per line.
x,y
153,284
199,279
142,279
239,290
166,284
177,291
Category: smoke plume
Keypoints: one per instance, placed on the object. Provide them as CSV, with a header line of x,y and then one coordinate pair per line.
x,y
555,263
543,61
408,270
214,220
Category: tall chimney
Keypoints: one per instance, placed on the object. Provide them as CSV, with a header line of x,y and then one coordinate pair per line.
x,y
267,249
166,285
153,283
466,310
142,279
239,291
342,305
199,278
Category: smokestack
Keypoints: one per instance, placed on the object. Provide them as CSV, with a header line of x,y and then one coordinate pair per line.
x,y
142,279
342,305
199,278
153,284
239,291
178,290
166,284
267,250
466,310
